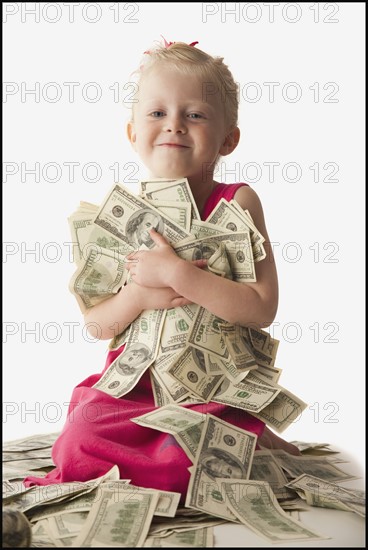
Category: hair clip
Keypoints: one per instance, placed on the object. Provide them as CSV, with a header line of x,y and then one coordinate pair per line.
x,y
168,44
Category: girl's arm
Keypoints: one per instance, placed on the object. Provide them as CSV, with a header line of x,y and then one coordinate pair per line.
x,y
112,316
238,303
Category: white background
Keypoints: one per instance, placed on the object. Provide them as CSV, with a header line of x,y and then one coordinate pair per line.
x,y
316,224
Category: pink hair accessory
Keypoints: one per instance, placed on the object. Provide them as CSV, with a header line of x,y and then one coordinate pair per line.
x,y
168,44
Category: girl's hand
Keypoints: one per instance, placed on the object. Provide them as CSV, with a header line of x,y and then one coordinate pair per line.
x,y
154,268
158,298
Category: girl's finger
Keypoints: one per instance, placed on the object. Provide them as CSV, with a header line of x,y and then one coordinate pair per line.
x,y
157,238
200,263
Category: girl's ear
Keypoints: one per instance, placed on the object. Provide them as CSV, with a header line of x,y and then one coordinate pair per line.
x,y
230,142
132,136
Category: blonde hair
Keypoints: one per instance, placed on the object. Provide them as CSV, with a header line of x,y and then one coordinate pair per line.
x,y
216,76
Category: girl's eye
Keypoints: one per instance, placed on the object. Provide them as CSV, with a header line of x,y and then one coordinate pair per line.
x,y
157,114
194,115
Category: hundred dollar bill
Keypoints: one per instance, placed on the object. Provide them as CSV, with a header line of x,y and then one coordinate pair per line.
x,y
178,190
266,468
256,237
172,388
66,525
167,504
239,350
26,455
119,339
80,226
190,370
226,366
121,520
13,488
170,419
271,374
30,464
190,520
259,338
312,447
160,395
99,277
205,334
263,342
38,496
178,322
255,505
226,215
167,500
33,442
219,262
263,359
129,218
245,395
151,185
99,239
82,503
324,493
240,256
198,538
189,439
239,253
283,411
212,364
203,230
139,353
314,499
224,451
318,466
189,400
178,212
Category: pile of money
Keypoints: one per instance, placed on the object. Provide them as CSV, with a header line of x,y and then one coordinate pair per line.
x,y
229,482
193,356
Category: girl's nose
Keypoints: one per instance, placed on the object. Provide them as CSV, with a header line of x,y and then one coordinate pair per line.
x,y
175,124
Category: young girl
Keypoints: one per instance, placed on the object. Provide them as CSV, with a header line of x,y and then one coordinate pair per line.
x,y
185,119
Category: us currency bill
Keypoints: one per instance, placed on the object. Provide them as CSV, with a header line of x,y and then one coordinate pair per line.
x,y
189,369
224,451
160,396
255,505
172,388
99,277
198,538
139,353
233,218
121,520
318,466
180,213
320,492
239,350
170,419
283,410
246,395
239,253
266,468
175,330
205,334
177,190
129,218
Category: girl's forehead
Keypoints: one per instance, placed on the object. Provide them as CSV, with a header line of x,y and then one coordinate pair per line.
x,y
165,76
169,82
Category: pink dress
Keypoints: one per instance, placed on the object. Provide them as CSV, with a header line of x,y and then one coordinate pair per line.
x,y
98,432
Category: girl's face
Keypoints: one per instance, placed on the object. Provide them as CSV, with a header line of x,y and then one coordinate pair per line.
x,y
177,131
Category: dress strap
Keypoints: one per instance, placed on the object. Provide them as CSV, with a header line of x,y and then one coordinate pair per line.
x,y
222,190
